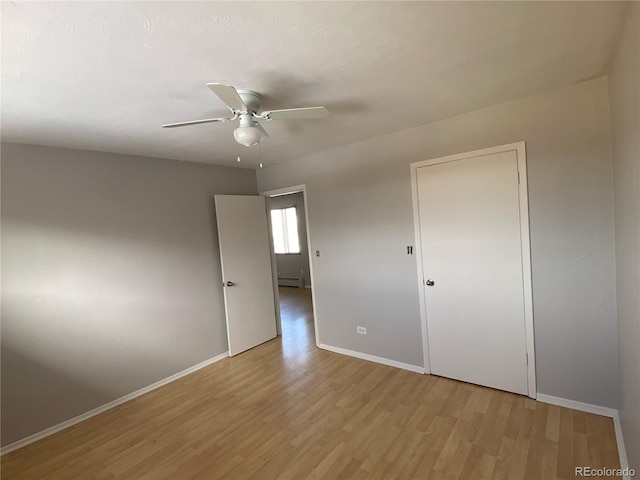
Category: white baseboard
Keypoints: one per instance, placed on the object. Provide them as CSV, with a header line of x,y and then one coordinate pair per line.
x,y
107,406
622,451
575,405
598,410
372,358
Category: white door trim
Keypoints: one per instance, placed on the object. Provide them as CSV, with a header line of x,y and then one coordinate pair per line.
x,y
285,191
520,150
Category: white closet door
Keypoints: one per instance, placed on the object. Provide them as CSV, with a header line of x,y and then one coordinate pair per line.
x,y
469,214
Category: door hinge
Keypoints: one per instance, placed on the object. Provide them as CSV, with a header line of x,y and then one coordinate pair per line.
x,y
518,177
527,354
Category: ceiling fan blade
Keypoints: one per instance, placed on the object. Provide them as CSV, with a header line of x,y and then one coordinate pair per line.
x,y
296,113
259,127
195,122
228,95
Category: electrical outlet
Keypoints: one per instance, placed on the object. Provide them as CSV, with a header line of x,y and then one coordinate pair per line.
x,y
361,330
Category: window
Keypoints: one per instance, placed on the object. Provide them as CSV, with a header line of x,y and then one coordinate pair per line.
x,y
284,222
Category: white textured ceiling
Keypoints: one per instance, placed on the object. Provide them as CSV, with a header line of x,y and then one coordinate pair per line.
x,y
105,75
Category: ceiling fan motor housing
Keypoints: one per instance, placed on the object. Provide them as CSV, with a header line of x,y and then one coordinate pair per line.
x,y
251,99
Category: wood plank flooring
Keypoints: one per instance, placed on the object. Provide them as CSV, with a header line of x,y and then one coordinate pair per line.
x,y
288,410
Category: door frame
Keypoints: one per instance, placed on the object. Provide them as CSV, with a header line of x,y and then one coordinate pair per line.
x,y
519,148
287,191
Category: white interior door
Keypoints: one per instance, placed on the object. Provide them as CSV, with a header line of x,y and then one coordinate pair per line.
x,y
472,263
246,270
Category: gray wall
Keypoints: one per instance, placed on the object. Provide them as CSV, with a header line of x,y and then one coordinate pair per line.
x,y
293,264
110,277
360,214
624,83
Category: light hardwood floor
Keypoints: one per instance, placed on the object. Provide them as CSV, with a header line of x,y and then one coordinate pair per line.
x,y
288,410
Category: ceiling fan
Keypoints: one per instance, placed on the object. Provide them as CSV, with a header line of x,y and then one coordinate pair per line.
x,y
245,105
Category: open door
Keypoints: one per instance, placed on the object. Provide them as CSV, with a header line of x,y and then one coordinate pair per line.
x,y
246,270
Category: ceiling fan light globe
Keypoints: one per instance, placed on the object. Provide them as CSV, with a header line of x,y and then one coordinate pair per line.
x,y
247,136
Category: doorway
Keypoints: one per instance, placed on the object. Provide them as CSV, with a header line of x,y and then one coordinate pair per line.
x,y
472,237
293,269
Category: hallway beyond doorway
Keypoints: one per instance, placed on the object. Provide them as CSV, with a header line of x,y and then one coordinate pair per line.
x,y
296,314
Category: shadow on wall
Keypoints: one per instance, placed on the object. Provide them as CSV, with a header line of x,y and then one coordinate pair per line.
x,y
110,277
43,393
90,316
